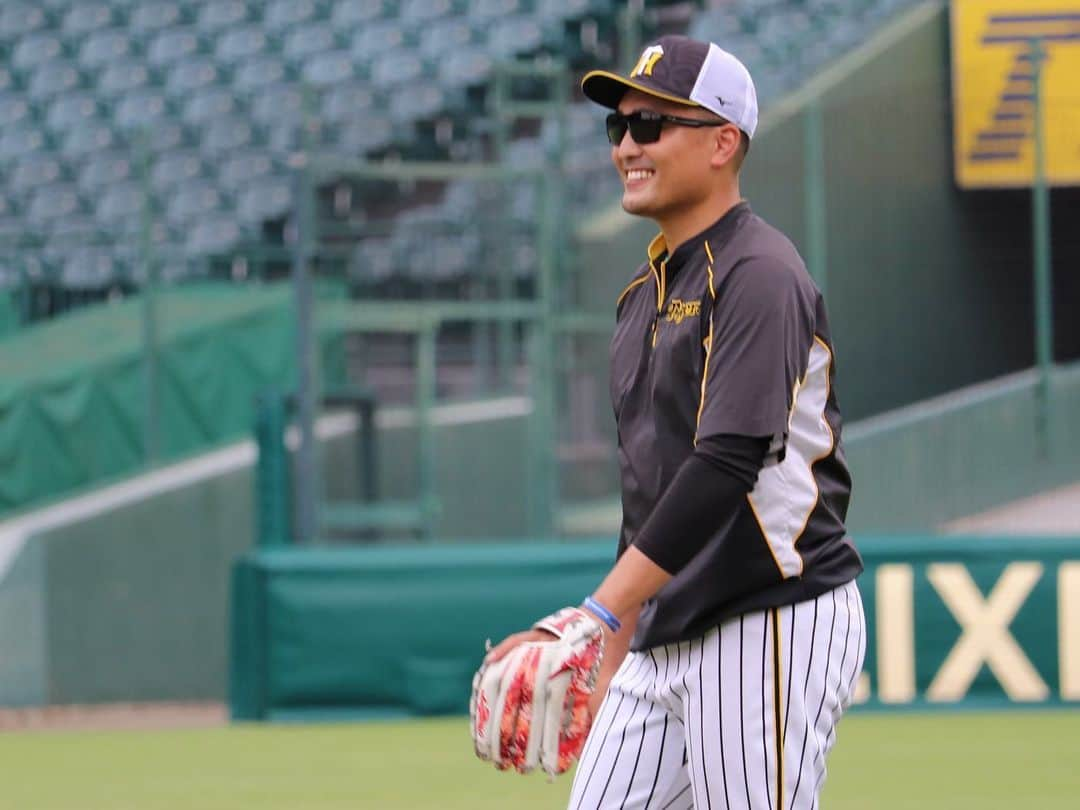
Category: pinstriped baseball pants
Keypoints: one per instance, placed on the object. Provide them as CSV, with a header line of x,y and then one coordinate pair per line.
x,y
739,719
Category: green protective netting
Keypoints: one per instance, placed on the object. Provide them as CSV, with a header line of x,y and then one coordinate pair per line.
x,y
73,390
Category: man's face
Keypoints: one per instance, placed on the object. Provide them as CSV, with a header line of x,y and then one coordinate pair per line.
x,y
662,179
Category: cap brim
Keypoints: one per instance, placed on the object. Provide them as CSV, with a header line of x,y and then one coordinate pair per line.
x,y
607,89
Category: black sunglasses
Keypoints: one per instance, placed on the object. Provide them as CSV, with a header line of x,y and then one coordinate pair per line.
x,y
645,125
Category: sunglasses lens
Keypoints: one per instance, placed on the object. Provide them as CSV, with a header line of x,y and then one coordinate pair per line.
x,y
645,130
616,128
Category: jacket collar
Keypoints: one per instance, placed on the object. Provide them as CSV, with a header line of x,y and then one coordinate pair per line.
x,y
717,233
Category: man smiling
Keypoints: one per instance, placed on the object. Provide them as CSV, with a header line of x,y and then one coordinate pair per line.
x,y
735,632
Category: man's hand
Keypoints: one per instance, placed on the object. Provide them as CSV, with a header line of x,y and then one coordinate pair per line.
x,y
529,704
510,642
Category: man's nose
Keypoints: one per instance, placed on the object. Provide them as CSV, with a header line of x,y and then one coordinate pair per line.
x,y
628,147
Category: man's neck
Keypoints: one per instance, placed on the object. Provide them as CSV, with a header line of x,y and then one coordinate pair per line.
x,y
689,224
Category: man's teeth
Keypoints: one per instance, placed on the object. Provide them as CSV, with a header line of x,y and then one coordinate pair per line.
x,y
638,174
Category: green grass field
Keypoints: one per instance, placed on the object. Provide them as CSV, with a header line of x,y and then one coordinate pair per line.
x,y
882,762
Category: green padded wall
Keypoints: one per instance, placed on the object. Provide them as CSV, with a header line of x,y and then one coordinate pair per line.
x,y
318,633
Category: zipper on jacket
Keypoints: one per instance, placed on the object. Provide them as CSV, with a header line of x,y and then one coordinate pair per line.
x,y
661,293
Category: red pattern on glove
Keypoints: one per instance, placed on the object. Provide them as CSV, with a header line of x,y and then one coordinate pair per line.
x,y
531,708
577,721
517,713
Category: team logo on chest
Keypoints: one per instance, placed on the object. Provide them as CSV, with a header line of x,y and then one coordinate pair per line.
x,y
678,310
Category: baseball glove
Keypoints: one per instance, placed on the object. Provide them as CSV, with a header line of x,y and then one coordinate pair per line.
x,y
532,706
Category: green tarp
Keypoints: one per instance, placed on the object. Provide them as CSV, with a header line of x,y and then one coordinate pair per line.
x,y
952,621
73,390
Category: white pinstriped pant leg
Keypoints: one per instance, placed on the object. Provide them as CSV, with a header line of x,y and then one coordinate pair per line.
x,y
636,752
740,719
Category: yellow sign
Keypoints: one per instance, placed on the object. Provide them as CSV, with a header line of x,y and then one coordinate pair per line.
x,y
994,91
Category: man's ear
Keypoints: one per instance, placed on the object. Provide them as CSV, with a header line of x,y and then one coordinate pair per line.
x,y
726,141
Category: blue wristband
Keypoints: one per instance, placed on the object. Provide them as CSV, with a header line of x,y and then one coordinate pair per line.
x,y
606,616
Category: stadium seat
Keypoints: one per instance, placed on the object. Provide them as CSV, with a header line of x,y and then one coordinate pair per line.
x,y
70,111
289,135
344,101
149,18
54,202
447,35
514,36
121,77
368,134
348,14
562,10
84,140
191,75
224,135
467,67
36,49
13,109
64,234
102,47
120,203
372,261
33,171
284,15
427,247
220,14
781,36
465,200
417,103
278,102
53,79
212,236
242,169
397,68
524,153
100,170
241,43
175,168
19,19
19,140
489,10
172,45
254,75
141,109
91,268
190,201
266,199
203,106
169,134
717,25
328,69
385,37
426,10
85,18
306,41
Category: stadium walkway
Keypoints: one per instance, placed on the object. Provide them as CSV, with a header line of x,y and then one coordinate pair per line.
x,y
1054,512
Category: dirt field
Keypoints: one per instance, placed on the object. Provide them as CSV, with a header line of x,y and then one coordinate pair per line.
x,y
114,716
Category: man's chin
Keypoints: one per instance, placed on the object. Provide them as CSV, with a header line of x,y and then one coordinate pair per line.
x,y
632,205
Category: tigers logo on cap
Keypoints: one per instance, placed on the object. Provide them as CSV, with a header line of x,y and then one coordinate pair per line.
x,y
649,57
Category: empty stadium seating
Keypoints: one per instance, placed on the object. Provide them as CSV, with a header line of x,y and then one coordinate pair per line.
x,y
220,93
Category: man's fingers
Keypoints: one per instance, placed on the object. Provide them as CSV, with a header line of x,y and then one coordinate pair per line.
x,y
510,642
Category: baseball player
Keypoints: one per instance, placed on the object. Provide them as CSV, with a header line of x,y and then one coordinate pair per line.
x,y
732,629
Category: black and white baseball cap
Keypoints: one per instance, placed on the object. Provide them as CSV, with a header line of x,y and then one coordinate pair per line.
x,y
686,71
